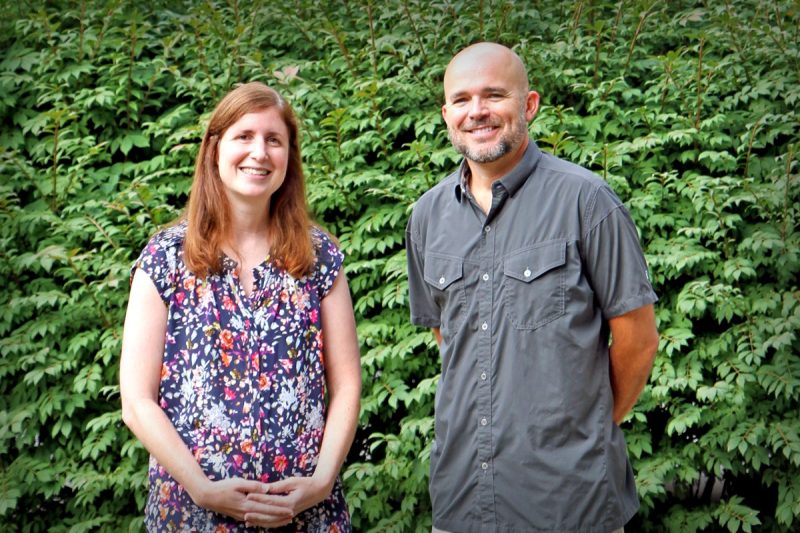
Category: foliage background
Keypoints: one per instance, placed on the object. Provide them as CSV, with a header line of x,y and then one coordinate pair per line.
x,y
689,110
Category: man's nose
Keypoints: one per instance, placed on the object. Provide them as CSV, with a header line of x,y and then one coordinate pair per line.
x,y
477,107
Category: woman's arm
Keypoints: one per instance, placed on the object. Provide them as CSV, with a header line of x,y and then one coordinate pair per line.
x,y
140,376
343,376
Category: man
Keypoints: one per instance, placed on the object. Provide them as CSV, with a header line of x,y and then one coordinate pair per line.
x,y
523,264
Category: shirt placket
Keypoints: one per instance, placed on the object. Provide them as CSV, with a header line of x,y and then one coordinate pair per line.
x,y
484,412
248,307
254,367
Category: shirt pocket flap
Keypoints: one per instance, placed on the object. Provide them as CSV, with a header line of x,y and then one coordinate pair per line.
x,y
528,265
441,272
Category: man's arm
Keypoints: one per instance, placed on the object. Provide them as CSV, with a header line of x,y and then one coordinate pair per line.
x,y
424,309
634,342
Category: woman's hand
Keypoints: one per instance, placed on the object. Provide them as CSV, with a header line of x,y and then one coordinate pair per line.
x,y
230,497
295,494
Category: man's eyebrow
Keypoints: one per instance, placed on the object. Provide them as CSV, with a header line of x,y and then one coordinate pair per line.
x,y
484,90
503,90
456,94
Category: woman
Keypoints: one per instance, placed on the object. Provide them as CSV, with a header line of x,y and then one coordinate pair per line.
x,y
224,373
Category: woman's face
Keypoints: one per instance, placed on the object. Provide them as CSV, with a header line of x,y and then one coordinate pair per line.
x,y
253,155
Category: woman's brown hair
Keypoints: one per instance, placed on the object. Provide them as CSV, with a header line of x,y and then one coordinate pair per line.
x,y
208,212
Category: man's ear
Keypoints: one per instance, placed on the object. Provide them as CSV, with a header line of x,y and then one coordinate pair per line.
x,y
531,105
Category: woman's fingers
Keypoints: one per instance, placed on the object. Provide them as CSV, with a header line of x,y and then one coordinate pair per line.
x,y
265,510
262,520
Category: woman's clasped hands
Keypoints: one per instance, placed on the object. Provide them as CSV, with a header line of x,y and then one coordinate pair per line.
x,y
262,504
293,495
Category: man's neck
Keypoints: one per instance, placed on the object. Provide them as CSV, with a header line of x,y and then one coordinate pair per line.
x,y
483,175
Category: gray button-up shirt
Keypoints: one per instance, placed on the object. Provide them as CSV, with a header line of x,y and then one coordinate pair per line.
x,y
525,439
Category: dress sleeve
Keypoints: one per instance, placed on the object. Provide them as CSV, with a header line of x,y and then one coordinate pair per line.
x,y
329,262
614,260
159,260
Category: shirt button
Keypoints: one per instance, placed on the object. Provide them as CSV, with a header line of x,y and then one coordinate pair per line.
x,y
483,376
484,421
527,272
441,280
487,229
484,326
486,277
484,466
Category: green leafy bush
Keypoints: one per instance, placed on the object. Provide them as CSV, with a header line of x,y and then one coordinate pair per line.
x,y
689,110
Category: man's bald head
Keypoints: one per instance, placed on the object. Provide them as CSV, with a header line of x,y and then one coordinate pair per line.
x,y
482,55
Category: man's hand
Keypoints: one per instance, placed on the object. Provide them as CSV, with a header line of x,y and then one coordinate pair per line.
x,y
437,334
294,494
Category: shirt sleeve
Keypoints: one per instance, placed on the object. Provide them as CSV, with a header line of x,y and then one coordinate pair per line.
x,y
614,260
424,311
329,262
159,260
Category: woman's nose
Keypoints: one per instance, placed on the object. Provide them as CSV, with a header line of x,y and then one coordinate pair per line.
x,y
258,149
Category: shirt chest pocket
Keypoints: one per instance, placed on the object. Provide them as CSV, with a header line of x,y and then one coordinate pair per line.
x,y
445,277
534,284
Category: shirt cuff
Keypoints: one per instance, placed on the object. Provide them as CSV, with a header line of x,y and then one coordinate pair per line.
x,y
425,321
635,302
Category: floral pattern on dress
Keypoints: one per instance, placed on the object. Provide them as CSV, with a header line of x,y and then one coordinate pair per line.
x,y
242,380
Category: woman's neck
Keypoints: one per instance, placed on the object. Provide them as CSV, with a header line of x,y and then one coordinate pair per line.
x,y
248,219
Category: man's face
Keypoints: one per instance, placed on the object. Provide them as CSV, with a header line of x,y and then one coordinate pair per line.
x,y
485,110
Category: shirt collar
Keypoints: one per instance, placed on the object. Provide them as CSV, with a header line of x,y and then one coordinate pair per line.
x,y
463,177
511,181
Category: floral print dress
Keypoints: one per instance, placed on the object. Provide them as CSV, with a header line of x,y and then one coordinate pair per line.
x,y
242,380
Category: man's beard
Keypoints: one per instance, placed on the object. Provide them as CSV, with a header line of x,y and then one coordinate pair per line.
x,y
506,143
